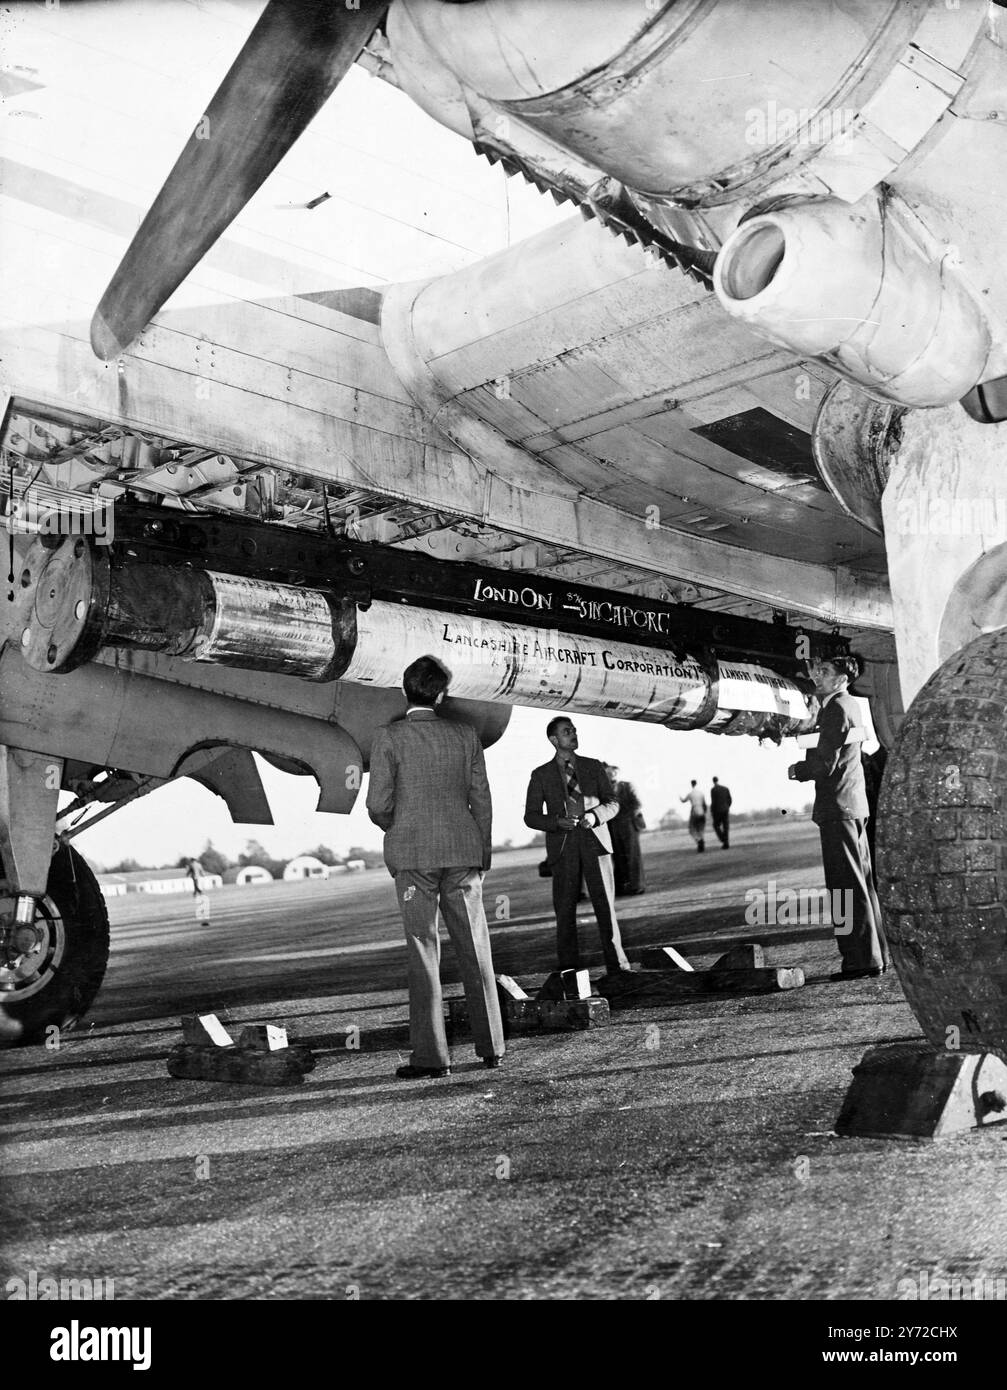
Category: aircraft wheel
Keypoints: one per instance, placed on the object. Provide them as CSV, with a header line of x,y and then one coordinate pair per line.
x,y
942,850
62,958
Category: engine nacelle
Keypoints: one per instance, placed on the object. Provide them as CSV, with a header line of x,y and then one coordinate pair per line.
x,y
852,285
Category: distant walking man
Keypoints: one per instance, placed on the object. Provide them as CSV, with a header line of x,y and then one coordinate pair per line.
x,y
720,812
194,872
841,813
201,902
571,799
697,815
428,791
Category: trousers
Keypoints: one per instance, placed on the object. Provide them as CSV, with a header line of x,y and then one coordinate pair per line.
x,y
579,858
458,893
846,858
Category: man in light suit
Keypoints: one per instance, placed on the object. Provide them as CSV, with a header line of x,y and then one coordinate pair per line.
x,y
841,813
428,791
571,799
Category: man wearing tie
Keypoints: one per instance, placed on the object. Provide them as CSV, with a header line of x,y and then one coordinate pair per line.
x,y
841,812
428,791
571,799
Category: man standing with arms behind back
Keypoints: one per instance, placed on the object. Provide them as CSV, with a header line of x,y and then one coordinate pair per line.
x,y
578,798
840,812
428,791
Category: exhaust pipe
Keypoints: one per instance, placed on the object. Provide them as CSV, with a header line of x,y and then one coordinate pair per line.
x,y
852,285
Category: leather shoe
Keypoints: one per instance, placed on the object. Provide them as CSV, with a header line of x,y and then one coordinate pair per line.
x,y
492,1061
411,1073
870,972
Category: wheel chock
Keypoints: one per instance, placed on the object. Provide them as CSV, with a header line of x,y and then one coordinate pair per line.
x,y
747,955
508,988
664,958
205,1030
518,1012
648,988
572,1015
526,1015
909,1090
566,984
262,1055
262,1037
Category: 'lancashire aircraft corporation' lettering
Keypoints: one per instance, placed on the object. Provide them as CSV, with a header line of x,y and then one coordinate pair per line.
x,y
574,656
493,659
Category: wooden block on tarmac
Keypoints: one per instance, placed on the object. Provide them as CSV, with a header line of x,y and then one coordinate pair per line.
x,y
747,955
576,984
517,1015
508,988
537,1015
205,1030
566,984
908,1089
664,958
195,1062
551,987
572,1015
262,1037
652,987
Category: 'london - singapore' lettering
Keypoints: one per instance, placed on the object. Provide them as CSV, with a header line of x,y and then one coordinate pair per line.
x,y
591,610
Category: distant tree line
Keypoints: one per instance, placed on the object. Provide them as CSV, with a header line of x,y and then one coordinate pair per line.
x,y
214,861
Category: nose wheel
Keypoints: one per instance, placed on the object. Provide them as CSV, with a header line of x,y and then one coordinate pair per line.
x,y
51,968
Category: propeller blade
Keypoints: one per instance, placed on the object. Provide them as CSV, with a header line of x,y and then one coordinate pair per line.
x,y
292,62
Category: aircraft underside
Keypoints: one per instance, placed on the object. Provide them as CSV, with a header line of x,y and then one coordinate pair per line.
x,y
647,464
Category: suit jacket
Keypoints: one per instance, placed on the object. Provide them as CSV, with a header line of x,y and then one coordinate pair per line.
x,y
835,766
429,793
629,802
547,788
720,799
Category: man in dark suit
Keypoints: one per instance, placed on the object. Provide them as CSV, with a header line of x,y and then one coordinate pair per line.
x,y
624,828
571,799
720,811
841,813
428,791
